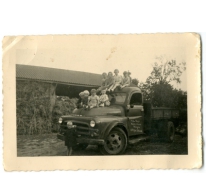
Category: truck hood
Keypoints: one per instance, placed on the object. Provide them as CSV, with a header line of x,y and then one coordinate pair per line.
x,y
113,110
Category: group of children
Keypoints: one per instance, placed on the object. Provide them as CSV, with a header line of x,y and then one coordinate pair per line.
x,y
109,83
88,102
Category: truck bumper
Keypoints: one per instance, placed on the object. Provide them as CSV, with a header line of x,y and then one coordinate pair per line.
x,y
83,140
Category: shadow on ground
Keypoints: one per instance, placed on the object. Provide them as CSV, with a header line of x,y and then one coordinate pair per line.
x,y
49,145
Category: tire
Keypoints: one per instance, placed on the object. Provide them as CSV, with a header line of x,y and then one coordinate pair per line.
x,y
168,134
115,142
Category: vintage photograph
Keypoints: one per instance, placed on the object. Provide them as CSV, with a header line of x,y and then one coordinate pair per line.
x,y
111,95
127,101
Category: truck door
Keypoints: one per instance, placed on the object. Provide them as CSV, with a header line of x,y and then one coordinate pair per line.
x,y
135,113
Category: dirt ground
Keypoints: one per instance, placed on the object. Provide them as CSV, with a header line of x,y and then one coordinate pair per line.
x,y
49,145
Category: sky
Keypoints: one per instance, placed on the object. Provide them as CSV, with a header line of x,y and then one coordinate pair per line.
x,y
103,53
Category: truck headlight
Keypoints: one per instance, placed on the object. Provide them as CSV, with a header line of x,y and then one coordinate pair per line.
x,y
60,120
69,123
92,123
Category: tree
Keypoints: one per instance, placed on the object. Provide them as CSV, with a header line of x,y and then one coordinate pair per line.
x,y
164,95
166,71
158,88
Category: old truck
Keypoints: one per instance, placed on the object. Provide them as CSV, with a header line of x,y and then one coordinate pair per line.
x,y
126,121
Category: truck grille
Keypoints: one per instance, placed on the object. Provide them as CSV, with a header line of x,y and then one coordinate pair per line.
x,y
81,128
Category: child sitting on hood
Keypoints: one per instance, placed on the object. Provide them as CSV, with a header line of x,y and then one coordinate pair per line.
x,y
93,100
79,102
85,99
103,99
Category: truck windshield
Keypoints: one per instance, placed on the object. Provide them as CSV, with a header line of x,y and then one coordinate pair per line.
x,y
117,98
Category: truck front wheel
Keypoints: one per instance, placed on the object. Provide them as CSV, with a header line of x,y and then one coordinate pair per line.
x,y
115,142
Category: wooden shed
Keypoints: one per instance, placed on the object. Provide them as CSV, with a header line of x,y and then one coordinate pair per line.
x,y
37,89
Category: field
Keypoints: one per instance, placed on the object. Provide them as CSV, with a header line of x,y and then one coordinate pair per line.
x,y
49,145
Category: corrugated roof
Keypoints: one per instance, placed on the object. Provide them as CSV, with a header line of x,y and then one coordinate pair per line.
x,y
57,75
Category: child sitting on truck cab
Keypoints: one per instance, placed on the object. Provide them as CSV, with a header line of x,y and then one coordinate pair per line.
x,y
129,75
126,80
93,100
117,80
103,85
109,80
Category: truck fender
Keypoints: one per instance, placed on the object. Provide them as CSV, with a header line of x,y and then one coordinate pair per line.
x,y
111,126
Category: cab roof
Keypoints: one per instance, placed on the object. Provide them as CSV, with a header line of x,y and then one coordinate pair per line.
x,y
129,89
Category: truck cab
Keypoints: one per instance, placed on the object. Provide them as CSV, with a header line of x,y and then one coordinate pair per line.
x,y
112,128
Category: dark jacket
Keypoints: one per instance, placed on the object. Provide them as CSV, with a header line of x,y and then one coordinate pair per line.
x,y
70,140
79,103
85,101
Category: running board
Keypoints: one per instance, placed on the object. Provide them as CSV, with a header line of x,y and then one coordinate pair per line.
x,y
139,139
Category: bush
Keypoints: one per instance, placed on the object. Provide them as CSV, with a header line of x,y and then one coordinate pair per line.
x,y
63,106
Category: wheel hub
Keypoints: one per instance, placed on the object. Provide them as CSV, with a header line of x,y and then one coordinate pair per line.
x,y
114,142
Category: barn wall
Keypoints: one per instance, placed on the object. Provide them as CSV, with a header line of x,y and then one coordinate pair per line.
x,y
71,90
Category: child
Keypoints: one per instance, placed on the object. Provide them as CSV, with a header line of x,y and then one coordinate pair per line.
x,y
129,74
135,82
117,80
79,102
103,99
109,80
103,86
70,140
93,100
85,99
125,80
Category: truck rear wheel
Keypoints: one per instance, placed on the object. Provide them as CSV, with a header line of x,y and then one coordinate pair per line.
x,y
115,142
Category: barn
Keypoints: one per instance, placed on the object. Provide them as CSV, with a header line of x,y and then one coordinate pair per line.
x,y
44,94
